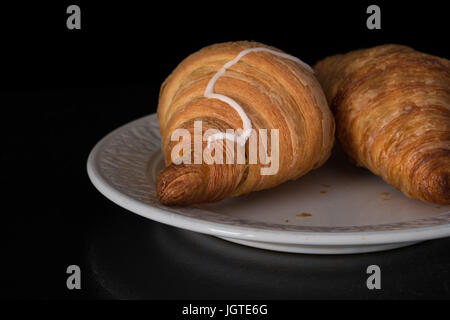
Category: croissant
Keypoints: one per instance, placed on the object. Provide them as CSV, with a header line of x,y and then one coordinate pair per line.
x,y
247,87
392,111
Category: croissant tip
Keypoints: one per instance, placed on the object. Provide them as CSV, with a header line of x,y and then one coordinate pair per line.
x,y
179,185
438,187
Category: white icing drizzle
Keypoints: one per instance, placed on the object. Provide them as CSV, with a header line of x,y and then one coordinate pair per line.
x,y
246,123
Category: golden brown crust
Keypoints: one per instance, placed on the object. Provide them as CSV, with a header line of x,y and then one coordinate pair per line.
x,y
275,93
392,110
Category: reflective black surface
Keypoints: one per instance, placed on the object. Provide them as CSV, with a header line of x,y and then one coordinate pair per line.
x,y
131,257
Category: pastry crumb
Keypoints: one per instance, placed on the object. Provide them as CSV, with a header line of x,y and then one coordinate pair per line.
x,y
286,220
303,214
326,185
437,207
323,191
385,193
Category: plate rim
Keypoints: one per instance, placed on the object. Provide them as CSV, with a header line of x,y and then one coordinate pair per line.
x,y
242,232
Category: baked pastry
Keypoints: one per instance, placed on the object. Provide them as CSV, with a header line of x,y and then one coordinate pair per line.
x,y
239,85
392,110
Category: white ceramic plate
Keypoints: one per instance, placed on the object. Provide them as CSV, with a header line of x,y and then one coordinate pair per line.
x,y
335,209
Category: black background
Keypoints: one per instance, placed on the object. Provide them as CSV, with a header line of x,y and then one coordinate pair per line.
x,y
62,90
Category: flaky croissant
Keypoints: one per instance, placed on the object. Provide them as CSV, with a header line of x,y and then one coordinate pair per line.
x,y
392,110
240,85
